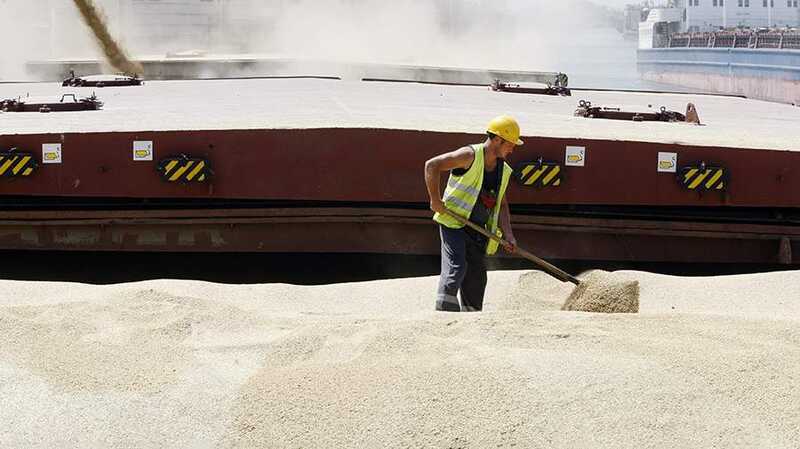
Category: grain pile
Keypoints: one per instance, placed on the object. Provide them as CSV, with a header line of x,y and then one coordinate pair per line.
x,y
602,292
709,362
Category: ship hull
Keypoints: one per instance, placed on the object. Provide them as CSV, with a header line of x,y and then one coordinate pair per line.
x,y
321,166
361,191
772,75
383,166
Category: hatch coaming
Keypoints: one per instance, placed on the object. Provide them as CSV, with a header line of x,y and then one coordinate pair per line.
x,y
379,166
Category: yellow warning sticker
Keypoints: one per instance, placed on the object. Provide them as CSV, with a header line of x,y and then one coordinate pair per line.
x,y
667,162
576,156
143,150
51,153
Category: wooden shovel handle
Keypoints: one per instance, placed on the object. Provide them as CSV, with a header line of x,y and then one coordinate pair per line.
x,y
552,270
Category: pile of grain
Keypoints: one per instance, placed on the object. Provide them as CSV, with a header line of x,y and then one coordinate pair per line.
x,y
175,364
602,292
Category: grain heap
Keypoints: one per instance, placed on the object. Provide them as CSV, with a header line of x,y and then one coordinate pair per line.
x,y
707,362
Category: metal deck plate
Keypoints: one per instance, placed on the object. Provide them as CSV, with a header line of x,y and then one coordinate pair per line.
x,y
255,104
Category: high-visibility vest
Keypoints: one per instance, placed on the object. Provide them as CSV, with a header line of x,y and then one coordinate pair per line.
x,y
462,194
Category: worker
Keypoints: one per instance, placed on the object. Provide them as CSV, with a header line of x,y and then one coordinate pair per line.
x,y
476,190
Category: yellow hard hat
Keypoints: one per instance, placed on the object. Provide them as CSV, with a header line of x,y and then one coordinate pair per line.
x,y
506,127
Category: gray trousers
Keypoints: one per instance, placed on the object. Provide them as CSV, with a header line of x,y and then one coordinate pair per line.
x,y
463,271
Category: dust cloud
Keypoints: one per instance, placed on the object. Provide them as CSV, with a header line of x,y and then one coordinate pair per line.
x,y
115,55
509,34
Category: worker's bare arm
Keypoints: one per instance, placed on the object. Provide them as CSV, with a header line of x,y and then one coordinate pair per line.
x,y
461,158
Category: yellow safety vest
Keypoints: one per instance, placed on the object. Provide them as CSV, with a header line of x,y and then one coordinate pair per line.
x,y
462,194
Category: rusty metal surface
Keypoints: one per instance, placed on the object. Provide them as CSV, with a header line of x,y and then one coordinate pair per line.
x,y
101,81
274,146
385,166
545,89
587,110
393,231
66,103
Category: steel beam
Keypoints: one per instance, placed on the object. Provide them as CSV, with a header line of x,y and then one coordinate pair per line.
x,y
393,231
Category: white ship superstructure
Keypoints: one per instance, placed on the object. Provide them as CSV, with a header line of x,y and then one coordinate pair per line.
x,y
709,15
743,47
712,15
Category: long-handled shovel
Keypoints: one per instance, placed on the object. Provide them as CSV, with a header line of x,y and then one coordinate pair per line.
x,y
543,264
595,294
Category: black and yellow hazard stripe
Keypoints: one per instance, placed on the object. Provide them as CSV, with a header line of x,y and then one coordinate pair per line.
x,y
703,178
540,174
15,164
184,169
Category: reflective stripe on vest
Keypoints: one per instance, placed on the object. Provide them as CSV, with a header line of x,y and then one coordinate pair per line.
x,y
462,194
455,185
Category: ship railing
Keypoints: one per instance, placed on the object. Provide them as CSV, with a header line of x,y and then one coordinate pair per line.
x,y
791,41
723,41
678,41
768,39
698,40
744,40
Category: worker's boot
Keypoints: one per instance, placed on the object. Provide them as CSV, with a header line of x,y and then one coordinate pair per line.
x,y
447,305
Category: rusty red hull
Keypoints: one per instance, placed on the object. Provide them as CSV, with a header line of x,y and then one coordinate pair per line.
x,y
385,166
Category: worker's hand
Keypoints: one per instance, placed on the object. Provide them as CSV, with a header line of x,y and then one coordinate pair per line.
x,y
437,205
511,245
